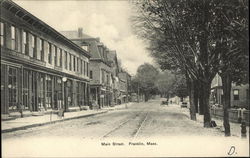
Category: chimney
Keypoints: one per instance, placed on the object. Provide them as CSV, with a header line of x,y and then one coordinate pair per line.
x,y
80,32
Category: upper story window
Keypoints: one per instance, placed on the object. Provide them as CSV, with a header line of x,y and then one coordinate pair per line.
x,y
65,60
87,69
2,33
56,56
103,76
81,66
60,57
13,38
85,48
91,74
84,68
25,43
77,64
40,53
49,53
70,62
33,45
236,94
74,63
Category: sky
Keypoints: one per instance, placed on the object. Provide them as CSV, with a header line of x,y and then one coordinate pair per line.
x,y
109,20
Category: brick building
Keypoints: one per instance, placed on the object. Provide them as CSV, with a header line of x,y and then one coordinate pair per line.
x,y
239,93
40,68
100,66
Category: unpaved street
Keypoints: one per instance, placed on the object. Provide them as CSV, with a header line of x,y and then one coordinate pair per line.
x,y
166,129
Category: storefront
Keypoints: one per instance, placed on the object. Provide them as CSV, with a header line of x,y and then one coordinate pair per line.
x,y
27,89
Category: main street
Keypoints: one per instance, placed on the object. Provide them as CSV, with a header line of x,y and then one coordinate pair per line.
x,y
139,121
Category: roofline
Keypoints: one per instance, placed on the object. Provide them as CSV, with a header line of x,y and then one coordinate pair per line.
x,y
47,26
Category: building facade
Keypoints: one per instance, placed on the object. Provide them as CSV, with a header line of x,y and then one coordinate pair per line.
x,y
124,87
239,93
100,67
40,68
114,76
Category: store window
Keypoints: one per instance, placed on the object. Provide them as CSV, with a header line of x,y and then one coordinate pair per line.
x,y
48,100
2,33
58,98
12,88
236,94
26,89
41,92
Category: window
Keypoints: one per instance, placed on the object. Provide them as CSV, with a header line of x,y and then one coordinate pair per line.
x,y
2,34
236,94
85,48
56,56
74,63
25,43
33,45
84,68
81,66
91,74
65,60
50,53
87,69
77,64
40,53
13,38
12,87
60,58
48,99
70,62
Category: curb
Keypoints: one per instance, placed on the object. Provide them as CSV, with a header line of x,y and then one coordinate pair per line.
x,y
51,122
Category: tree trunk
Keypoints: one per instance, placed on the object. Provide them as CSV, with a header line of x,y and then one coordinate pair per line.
x,y
206,88
226,85
201,100
191,100
196,96
190,87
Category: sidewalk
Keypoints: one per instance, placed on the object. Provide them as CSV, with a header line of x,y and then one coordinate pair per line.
x,y
235,128
33,121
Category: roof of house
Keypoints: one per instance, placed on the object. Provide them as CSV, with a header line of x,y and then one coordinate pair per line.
x,y
75,35
39,24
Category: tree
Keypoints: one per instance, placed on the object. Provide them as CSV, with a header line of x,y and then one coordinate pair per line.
x,y
165,83
146,76
186,36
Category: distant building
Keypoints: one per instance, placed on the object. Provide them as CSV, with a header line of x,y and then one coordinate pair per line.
x,y
124,86
114,76
100,66
40,68
239,93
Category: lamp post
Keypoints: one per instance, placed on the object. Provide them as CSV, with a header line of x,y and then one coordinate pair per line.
x,y
64,79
